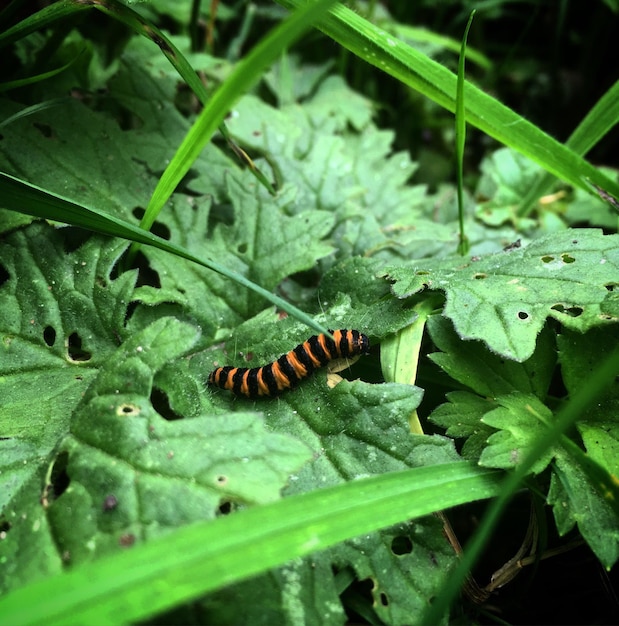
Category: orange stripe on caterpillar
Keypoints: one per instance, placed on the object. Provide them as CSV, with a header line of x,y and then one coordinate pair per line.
x,y
292,367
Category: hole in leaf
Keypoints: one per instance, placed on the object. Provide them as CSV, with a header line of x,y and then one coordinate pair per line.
x,y
523,315
609,286
572,311
547,259
49,336
401,545
161,404
146,275
73,238
480,276
356,597
363,589
158,228
59,480
45,130
74,349
125,118
127,410
225,508
384,600
221,480
5,526
242,248
567,258
4,275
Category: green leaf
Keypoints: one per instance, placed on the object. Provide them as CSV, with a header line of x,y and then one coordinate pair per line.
x,y
60,318
576,501
579,353
461,416
506,176
504,299
158,474
384,559
603,376
488,374
521,420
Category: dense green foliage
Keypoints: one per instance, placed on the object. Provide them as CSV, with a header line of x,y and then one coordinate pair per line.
x,y
281,173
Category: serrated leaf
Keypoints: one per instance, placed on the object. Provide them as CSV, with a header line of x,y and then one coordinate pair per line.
x,y
521,419
473,365
462,416
576,501
506,178
124,473
355,430
504,299
204,556
351,294
354,175
580,353
262,243
61,315
386,558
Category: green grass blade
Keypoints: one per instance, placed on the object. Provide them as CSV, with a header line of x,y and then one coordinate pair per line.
x,y
34,108
18,195
463,245
191,561
42,19
22,82
421,73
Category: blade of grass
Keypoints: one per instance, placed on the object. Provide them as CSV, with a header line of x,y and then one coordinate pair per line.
x,y
29,80
18,195
191,561
601,378
463,244
42,19
421,73
399,353
35,108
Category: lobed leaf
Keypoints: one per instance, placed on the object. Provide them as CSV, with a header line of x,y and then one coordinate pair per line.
x,y
504,299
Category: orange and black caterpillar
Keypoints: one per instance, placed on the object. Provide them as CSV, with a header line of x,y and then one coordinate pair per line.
x,y
292,367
